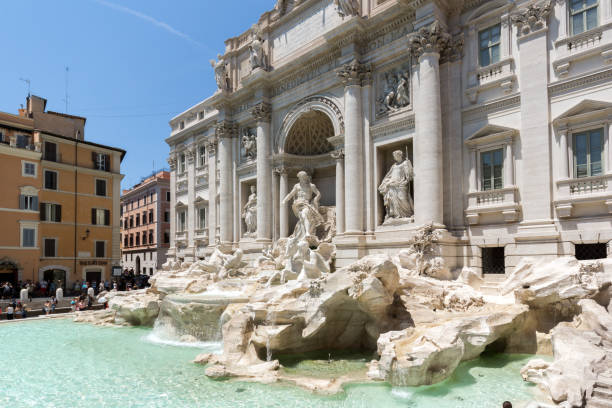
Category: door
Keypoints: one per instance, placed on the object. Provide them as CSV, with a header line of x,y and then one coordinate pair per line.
x,y
56,275
95,276
8,274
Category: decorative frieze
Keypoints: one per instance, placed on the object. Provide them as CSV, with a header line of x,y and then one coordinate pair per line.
x,y
354,73
310,71
532,18
429,39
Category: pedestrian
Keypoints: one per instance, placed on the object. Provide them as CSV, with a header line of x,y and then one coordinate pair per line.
x,y
53,303
73,304
10,310
47,307
24,314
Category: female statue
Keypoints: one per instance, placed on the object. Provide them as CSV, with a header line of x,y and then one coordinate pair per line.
x,y
249,213
395,188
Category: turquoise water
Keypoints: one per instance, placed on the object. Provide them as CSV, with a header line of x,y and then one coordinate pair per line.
x,y
57,363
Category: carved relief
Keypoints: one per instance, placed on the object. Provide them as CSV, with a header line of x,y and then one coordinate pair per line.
x,y
172,163
394,90
532,18
249,144
347,8
221,75
354,73
429,39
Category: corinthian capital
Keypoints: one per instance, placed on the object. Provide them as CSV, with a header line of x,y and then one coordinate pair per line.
x,y
354,73
429,39
532,18
225,129
262,112
172,163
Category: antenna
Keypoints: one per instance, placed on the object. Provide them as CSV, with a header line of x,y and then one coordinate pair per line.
x,y
27,81
66,91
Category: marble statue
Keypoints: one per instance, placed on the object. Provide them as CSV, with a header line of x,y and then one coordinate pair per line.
x,y
249,142
395,188
257,59
249,213
347,8
305,207
221,76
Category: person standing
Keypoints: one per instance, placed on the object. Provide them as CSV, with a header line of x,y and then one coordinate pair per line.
x,y
10,310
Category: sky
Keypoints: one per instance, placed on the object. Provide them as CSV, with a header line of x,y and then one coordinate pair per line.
x,y
132,64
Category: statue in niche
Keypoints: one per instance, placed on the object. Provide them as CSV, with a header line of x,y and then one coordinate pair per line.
x,y
395,189
221,75
306,208
396,94
347,8
249,142
257,58
249,213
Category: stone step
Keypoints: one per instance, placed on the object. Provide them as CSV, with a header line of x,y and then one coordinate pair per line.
x,y
597,402
605,393
603,382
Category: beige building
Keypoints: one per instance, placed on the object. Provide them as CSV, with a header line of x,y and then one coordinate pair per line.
x,y
62,211
145,224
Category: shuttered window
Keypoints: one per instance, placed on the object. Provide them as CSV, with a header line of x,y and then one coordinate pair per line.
x,y
101,161
101,188
28,237
27,202
51,212
50,153
100,249
50,180
50,249
100,216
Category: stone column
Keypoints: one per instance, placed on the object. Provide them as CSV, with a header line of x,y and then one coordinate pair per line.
x,y
370,189
339,156
211,149
263,114
607,136
508,166
190,154
284,208
352,76
276,204
172,165
225,133
426,45
563,155
473,181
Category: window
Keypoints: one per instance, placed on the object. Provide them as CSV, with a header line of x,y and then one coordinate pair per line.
x,y
28,202
166,216
182,163
100,216
492,169
28,237
100,249
144,218
151,197
583,15
22,141
144,238
126,241
50,180
137,220
493,260
137,239
101,188
167,196
51,212
588,148
150,216
489,45
201,156
202,218
29,169
50,152
132,222
131,240
101,161
166,238
585,252
151,271
50,247
182,216
151,238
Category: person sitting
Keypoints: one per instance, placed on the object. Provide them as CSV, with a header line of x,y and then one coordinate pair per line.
x,y
507,404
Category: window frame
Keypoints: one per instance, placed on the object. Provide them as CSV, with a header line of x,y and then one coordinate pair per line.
x,y
44,247
96,242
490,45
583,11
45,171
201,155
181,223
182,163
105,187
588,132
29,201
24,163
51,212
490,150
202,225
28,226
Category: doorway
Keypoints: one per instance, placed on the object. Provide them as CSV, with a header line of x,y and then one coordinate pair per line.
x,y
57,276
93,276
8,274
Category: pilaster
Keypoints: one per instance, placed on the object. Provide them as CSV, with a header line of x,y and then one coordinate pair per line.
x,y
262,113
225,132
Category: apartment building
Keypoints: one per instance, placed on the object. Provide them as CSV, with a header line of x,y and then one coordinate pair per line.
x,y
145,224
61,208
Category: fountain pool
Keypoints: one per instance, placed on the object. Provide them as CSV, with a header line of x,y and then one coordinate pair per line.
x,y
57,363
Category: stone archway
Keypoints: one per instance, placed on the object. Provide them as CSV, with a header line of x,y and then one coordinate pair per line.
x,y
9,271
309,135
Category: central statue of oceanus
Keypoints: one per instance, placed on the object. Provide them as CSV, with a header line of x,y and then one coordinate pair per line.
x,y
305,207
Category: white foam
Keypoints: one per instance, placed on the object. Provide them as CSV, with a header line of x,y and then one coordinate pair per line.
x,y
402,393
207,346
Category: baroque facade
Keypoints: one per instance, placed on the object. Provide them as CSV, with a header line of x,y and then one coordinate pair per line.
x,y
489,120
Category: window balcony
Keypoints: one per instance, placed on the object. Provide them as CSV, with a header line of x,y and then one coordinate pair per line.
x,y
502,201
181,239
583,192
497,75
201,237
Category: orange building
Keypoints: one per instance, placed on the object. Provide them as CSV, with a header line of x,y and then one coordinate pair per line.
x,y
146,224
60,207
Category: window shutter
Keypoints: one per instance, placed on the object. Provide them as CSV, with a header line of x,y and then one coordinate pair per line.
x,y
35,203
43,213
93,216
22,202
58,213
107,162
106,217
94,157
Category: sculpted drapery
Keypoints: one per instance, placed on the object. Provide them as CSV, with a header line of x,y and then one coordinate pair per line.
x,y
395,188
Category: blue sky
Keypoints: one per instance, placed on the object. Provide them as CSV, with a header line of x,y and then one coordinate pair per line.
x,y
133,64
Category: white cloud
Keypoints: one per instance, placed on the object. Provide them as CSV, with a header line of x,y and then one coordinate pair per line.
x,y
155,22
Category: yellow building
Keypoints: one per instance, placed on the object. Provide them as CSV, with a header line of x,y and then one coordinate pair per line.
x,y
76,213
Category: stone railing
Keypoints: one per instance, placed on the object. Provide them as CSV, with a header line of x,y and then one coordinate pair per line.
x,y
587,190
589,44
503,200
500,74
201,236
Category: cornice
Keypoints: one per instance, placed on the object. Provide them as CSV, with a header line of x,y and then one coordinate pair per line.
x,y
585,80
